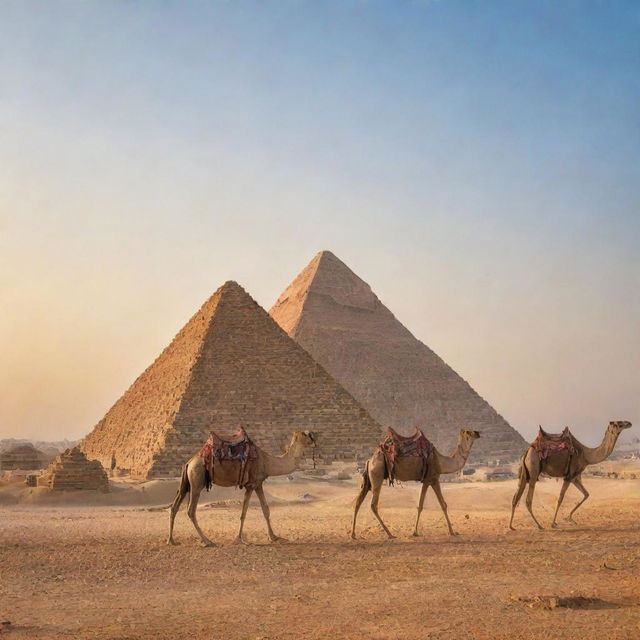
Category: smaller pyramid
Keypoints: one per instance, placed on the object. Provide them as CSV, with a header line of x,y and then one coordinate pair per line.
x,y
231,365
24,457
72,471
339,320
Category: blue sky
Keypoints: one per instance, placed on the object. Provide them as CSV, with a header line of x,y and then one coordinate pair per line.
x,y
476,162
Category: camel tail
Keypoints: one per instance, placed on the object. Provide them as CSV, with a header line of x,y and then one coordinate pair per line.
x,y
524,472
184,487
366,481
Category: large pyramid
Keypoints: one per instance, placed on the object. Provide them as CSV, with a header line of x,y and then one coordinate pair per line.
x,y
230,365
336,317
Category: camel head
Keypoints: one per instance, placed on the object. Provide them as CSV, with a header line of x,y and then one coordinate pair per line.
x,y
616,427
466,439
469,435
301,441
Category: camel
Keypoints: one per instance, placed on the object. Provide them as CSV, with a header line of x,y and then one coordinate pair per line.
x,y
226,474
410,468
557,465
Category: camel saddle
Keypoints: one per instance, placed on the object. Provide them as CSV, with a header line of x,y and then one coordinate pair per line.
x,y
239,448
558,443
396,446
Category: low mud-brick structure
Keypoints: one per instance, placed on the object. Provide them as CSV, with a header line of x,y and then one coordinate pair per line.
x,y
72,470
231,365
340,321
24,457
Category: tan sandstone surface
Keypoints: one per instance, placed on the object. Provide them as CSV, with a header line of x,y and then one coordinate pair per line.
x,y
340,321
105,572
231,365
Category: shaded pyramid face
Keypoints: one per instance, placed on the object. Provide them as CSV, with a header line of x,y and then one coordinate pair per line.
x,y
336,317
230,365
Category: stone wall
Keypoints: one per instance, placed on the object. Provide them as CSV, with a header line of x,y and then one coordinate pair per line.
x,y
72,470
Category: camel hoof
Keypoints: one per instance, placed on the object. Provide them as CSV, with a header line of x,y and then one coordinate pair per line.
x,y
512,527
207,544
554,525
540,527
172,542
415,534
279,539
453,533
239,540
390,537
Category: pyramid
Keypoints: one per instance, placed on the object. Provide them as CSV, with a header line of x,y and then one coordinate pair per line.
x,y
230,365
338,319
72,471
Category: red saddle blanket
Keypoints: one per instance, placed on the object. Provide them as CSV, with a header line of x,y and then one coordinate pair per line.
x,y
396,446
240,448
546,443
558,443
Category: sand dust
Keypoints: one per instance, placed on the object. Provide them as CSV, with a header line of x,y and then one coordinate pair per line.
x,y
105,571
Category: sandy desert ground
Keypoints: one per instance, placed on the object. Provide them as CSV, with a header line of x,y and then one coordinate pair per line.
x,y
106,572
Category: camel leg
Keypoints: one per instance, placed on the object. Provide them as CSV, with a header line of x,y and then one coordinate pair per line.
x,y
183,489
578,483
247,497
522,483
366,485
565,486
194,496
266,512
443,505
174,510
423,493
529,501
374,507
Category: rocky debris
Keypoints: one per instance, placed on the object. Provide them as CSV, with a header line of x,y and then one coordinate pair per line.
x,y
566,602
72,470
338,319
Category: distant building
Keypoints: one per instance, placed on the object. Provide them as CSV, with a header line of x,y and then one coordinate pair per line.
x,y
24,456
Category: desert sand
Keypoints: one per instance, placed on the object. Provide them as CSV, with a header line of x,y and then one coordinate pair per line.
x,y
71,571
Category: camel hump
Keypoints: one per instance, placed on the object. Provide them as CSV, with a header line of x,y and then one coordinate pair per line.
x,y
398,437
239,436
554,437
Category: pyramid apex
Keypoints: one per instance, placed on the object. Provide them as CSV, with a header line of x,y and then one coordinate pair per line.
x,y
325,253
230,287
325,276
231,284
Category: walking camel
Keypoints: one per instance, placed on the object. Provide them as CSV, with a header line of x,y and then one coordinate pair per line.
x,y
235,472
560,461
413,468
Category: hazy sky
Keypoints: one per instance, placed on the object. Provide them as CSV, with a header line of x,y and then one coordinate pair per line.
x,y
476,162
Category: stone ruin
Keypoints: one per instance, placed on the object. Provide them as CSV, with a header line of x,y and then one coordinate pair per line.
x,y
231,365
24,457
338,319
72,470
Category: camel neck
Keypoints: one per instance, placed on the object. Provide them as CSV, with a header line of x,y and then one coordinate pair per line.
x,y
284,464
455,462
603,450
